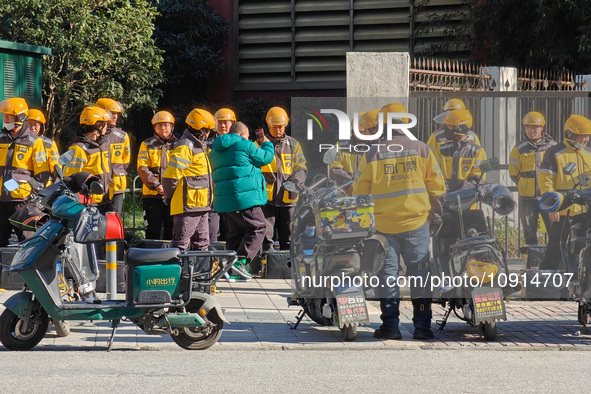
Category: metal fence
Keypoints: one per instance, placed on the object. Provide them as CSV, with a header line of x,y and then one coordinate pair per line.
x,y
497,122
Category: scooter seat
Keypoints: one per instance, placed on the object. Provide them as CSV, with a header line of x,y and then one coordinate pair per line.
x,y
139,256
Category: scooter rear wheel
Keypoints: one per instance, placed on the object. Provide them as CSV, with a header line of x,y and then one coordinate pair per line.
x,y
199,338
349,332
583,315
14,338
488,331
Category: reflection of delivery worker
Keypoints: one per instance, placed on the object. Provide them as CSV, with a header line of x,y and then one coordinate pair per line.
x,y
572,149
289,164
345,164
459,158
524,166
439,137
187,183
408,190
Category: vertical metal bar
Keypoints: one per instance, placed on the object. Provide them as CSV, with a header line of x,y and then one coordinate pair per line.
x,y
293,44
352,27
411,44
111,271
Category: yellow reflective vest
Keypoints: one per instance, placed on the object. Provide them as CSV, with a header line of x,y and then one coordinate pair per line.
x,y
187,179
460,162
53,156
524,165
120,158
407,185
152,160
288,164
551,177
21,159
345,164
94,157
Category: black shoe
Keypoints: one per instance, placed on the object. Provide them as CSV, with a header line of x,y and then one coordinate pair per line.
x,y
381,333
421,333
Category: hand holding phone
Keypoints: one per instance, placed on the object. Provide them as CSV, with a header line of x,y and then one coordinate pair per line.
x,y
260,135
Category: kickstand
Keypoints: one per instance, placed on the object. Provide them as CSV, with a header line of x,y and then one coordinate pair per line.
x,y
299,318
443,322
114,324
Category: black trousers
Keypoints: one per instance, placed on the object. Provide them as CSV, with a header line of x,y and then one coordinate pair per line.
x,y
529,213
553,257
277,218
7,209
159,222
117,203
217,224
245,231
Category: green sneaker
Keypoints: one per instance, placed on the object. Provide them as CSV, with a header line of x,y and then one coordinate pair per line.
x,y
240,269
235,278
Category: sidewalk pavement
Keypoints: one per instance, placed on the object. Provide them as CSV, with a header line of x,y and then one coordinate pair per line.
x,y
259,316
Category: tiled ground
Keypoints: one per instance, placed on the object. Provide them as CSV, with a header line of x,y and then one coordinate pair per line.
x,y
259,317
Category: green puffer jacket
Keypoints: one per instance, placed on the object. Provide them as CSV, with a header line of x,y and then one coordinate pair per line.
x,y
236,171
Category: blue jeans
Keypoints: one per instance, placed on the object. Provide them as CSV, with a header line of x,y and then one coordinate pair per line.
x,y
414,248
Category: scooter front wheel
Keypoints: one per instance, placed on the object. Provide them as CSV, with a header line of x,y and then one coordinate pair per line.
x,y
13,335
202,337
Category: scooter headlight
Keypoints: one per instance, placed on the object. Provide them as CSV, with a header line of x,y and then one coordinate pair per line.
x,y
482,270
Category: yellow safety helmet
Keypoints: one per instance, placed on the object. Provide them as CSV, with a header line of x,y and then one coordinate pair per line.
x,y
15,106
578,124
35,114
360,115
91,115
458,117
369,119
454,103
225,114
533,119
393,108
162,117
200,119
110,105
277,116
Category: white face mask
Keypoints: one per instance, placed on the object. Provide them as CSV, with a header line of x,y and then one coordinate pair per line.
x,y
9,126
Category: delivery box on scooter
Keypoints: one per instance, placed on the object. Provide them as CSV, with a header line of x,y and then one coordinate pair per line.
x,y
345,218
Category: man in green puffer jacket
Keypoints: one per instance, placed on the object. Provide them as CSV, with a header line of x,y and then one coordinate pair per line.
x,y
239,191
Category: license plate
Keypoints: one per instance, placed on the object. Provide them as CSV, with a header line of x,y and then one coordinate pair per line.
x,y
351,306
488,305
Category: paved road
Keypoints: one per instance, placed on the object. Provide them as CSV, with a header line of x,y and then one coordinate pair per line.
x,y
49,370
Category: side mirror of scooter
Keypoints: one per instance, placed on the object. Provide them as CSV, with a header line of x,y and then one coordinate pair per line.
x,y
489,165
569,169
290,187
66,158
11,185
58,171
35,184
329,156
96,188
